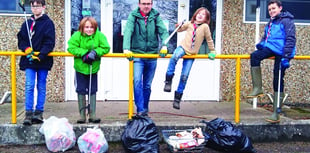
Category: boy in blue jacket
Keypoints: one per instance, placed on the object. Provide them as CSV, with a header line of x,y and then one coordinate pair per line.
x,y
279,41
42,35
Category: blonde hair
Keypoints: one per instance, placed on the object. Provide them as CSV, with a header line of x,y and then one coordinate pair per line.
x,y
83,22
207,17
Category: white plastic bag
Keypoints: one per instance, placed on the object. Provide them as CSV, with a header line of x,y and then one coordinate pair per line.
x,y
58,133
93,141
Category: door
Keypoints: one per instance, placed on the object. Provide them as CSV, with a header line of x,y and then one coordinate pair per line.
x,y
75,10
203,82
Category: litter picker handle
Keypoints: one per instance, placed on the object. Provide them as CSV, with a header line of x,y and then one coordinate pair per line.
x,y
22,6
175,30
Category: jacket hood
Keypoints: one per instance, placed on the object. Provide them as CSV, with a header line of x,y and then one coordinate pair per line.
x,y
286,14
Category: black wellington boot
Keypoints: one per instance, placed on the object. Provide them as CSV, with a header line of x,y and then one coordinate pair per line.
x,y
168,83
177,100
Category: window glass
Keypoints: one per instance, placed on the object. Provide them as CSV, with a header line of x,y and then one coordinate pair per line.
x,y
13,6
4,5
84,8
121,9
296,7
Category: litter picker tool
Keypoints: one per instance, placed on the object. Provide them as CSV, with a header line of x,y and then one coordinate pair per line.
x,y
89,87
175,30
279,82
22,5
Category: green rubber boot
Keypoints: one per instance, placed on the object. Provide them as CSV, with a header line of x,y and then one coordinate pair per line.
x,y
275,117
82,109
256,74
92,113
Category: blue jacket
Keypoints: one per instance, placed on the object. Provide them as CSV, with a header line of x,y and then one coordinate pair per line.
x,y
43,41
280,38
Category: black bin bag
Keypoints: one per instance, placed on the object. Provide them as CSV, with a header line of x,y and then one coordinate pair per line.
x,y
140,136
223,136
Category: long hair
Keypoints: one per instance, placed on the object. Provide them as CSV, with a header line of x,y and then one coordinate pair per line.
x,y
83,22
207,17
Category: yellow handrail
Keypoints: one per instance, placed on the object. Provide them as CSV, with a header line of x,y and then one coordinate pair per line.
x,y
237,57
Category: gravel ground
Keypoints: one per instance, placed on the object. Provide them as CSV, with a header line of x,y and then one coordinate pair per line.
x,y
271,147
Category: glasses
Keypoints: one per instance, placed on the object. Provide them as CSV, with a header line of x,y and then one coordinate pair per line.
x,y
146,4
36,6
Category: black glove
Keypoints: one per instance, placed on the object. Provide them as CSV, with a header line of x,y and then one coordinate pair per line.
x,y
89,57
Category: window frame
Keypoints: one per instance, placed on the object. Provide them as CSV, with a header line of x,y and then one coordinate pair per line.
x,y
249,14
18,11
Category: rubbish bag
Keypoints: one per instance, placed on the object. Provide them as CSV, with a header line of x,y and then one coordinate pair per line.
x,y
224,136
93,141
140,135
58,133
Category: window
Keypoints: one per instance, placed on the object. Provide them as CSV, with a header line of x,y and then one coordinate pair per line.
x,y
13,7
296,7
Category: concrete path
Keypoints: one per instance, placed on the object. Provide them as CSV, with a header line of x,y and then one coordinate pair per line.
x,y
114,117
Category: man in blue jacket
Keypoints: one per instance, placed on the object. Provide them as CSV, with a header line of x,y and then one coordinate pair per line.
x,y
279,40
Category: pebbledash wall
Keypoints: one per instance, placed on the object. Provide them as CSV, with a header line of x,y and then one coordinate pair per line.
x,y
237,38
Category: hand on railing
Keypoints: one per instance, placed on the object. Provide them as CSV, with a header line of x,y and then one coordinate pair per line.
x,y
163,52
212,55
128,54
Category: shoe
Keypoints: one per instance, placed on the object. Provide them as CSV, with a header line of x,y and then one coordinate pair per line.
x,y
37,117
28,118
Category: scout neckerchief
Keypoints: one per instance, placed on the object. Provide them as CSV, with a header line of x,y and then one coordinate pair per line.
x,y
194,34
32,27
145,17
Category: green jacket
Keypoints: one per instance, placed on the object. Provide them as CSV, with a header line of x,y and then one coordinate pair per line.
x,y
142,39
79,45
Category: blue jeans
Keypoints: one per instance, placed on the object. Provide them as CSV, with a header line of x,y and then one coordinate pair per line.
x,y
259,55
31,76
144,71
187,65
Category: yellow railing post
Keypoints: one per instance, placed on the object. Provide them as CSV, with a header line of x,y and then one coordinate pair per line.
x,y
237,100
130,102
13,88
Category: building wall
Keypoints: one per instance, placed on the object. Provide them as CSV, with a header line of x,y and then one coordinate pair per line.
x,y
238,38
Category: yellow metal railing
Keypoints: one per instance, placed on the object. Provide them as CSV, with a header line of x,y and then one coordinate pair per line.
x,y
130,102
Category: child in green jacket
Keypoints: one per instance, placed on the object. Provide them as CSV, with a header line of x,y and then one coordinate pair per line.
x,y
87,45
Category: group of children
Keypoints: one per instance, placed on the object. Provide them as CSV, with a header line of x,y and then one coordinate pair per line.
x,y
88,44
